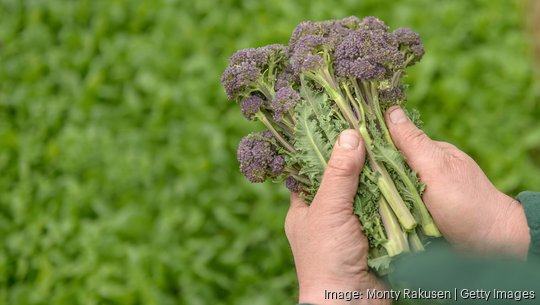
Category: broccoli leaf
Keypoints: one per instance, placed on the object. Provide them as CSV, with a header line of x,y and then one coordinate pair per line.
x,y
312,147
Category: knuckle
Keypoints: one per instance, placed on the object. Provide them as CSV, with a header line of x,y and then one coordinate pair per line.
x,y
416,137
446,145
341,166
454,161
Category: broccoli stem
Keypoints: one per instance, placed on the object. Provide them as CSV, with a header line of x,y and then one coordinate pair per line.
x,y
392,196
359,110
378,114
422,214
296,175
265,89
324,79
259,115
420,210
384,181
415,242
396,239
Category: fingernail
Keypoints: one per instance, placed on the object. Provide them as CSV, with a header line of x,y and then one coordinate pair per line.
x,y
397,116
349,139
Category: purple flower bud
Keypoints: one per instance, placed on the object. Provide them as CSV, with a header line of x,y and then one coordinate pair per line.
x,y
277,165
391,95
285,99
251,55
418,51
312,63
250,106
237,79
267,134
258,158
410,43
246,67
361,69
371,54
308,28
373,23
406,36
307,49
293,185
286,79
351,22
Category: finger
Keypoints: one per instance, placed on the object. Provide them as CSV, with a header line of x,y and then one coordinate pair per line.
x,y
340,179
415,145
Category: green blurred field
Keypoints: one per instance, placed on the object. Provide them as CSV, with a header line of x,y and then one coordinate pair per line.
x,y
118,175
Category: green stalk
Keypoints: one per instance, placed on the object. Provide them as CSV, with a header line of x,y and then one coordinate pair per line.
x,y
259,115
285,129
302,179
324,79
424,218
384,181
265,89
420,210
378,114
391,194
396,239
356,105
415,242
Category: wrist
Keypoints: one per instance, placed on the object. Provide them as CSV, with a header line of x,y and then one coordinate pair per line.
x,y
510,234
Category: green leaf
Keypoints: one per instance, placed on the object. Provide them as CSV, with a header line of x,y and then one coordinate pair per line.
x,y
313,148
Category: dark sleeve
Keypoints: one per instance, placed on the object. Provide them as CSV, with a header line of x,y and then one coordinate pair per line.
x,y
441,268
531,205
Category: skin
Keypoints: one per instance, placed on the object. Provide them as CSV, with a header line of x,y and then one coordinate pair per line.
x,y
329,249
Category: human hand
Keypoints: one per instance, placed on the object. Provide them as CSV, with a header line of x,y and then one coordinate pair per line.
x,y
470,212
330,251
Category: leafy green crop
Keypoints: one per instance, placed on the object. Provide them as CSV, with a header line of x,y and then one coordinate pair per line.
x,y
333,75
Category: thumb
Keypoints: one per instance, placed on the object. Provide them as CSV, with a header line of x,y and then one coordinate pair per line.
x,y
340,179
417,147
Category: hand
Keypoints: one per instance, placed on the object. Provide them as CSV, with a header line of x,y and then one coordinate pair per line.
x,y
330,251
470,212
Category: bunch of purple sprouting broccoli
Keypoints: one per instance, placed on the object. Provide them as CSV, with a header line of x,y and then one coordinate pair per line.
x,y
334,75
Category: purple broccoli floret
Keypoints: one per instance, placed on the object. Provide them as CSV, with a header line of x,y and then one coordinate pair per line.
x,y
418,51
308,28
248,66
406,36
293,185
361,69
367,55
409,41
391,95
306,55
287,78
351,22
258,158
238,79
285,99
251,55
277,165
373,23
250,106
